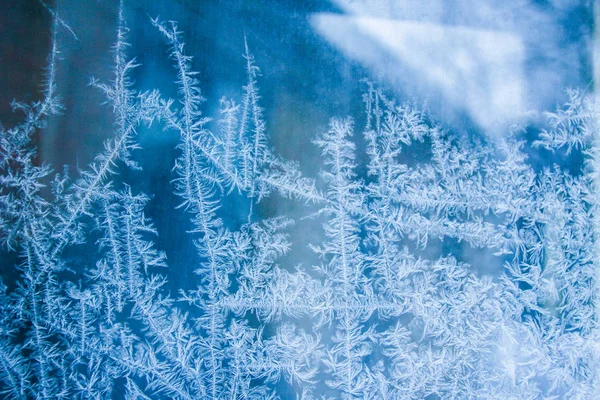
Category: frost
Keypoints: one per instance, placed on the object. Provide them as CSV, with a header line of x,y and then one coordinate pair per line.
x,y
394,305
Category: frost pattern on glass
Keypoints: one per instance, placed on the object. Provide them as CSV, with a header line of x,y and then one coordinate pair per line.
x,y
383,315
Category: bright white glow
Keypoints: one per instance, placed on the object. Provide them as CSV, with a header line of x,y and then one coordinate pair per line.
x,y
477,71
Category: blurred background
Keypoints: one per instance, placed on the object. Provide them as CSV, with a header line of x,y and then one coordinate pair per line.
x,y
475,64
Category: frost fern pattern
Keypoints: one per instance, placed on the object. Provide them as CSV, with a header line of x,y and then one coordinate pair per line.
x,y
391,304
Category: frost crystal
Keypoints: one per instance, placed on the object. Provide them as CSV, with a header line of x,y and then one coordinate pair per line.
x,y
467,273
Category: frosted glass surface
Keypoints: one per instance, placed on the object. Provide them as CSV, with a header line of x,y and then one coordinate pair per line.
x,y
299,200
